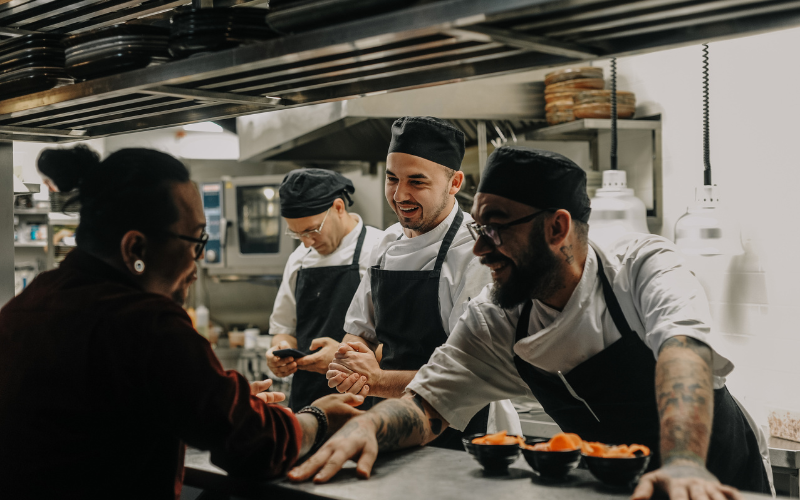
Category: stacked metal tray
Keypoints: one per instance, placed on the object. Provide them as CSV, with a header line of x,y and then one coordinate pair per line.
x,y
115,49
31,63
205,30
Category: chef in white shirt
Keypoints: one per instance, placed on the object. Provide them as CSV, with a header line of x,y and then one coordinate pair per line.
x,y
320,277
422,274
613,343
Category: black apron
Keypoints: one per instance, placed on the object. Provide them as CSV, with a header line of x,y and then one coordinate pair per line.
x,y
409,325
618,385
323,295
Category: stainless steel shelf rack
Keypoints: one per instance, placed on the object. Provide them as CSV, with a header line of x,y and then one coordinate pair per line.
x,y
426,43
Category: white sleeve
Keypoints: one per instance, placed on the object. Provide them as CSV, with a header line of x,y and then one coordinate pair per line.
x,y
670,299
360,317
474,368
476,277
284,312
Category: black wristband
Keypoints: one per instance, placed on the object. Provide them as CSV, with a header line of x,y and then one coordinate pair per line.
x,y
322,426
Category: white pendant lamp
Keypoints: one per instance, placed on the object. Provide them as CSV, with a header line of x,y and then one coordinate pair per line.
x,y
615,209
706,228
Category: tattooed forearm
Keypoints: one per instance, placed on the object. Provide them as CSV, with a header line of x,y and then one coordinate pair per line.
x,y
685,394
406,422
566,250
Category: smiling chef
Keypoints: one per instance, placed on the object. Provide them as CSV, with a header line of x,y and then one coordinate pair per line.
x,y
614,343
423,275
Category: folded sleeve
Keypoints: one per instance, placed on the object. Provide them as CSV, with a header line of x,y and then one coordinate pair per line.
x,y
360,317
212,409
473,368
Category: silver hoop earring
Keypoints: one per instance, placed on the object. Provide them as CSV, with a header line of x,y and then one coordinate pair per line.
x,y
139,266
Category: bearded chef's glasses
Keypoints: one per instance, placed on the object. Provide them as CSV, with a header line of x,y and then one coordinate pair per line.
x,y
199,243
308,234
492,231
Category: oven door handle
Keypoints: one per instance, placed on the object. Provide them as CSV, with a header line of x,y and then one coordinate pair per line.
x,y
223,231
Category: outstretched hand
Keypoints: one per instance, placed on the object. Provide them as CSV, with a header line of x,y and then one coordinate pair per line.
x,y
259,390
684,482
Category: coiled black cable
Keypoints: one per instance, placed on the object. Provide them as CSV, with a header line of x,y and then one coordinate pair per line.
x,y
613,113
706,115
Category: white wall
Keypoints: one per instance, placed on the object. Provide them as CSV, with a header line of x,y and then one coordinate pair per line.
x,y
755,133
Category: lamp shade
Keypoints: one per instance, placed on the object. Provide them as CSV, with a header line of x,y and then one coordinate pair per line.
x,y
706,228
615,210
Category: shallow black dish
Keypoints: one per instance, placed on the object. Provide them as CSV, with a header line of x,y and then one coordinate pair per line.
x,y
493,457
29,82
114,63
551,464
617,471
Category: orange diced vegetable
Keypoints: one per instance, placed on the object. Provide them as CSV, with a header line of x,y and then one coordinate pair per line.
x,y
498,438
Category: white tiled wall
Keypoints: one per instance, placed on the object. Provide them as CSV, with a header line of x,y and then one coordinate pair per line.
x,y
755,146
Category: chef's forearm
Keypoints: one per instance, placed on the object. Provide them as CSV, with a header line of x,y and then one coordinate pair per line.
x,y
685,394
406,422
391,383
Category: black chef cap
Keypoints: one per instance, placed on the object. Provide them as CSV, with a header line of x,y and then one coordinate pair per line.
x,y
310,191
541,179
429,138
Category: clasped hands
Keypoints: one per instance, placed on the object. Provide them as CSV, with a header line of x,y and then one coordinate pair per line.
x,y
353,369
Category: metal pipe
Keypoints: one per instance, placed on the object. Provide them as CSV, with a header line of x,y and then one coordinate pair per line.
x,y
614,113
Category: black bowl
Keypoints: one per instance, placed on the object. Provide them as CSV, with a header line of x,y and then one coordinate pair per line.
x,y
617,471
493,457
551,464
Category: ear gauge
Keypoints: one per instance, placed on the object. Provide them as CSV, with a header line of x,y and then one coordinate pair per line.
x,y
139,266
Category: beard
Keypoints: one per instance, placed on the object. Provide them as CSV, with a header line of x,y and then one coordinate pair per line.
x,y
426,222
536,277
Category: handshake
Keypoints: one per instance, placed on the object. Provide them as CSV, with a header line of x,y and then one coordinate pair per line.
x,y
350,367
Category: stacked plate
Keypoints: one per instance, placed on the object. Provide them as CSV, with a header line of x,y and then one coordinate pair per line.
x,y
115,49
31,63
597,104
206,30
563,85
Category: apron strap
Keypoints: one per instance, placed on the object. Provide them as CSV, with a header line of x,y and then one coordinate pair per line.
x,y
448,240
612,304
360,244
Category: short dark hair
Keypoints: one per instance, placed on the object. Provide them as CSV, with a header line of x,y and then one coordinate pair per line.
x,y
129,190
581,232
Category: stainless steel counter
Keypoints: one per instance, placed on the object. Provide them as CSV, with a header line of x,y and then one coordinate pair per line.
x,y
417,473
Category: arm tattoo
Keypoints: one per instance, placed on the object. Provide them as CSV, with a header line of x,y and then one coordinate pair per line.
x,y
405,422
685,396
567,251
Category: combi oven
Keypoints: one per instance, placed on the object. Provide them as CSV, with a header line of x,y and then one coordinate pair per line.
x,y
244,225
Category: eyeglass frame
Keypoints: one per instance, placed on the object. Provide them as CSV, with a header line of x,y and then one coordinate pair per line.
x,y
307,234
200,243
477,230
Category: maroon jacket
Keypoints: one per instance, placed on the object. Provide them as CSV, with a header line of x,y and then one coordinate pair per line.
x,y
101,383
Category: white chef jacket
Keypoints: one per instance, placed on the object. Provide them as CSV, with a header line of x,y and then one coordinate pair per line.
x,y
462,278
284,312
659,297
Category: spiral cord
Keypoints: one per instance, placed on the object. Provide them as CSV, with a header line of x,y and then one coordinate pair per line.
x,y
613,113
706,116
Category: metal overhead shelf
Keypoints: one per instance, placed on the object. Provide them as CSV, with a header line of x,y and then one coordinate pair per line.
x,y
426,43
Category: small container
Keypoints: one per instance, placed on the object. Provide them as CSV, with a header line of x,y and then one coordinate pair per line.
x,y
236,339
602,110
617,471
251,338
554,465
494,458
582,84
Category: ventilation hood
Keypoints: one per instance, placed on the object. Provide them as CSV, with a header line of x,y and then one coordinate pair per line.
x,y
360,129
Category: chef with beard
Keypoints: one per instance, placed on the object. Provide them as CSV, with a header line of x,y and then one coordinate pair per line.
x,y
614,343
422,275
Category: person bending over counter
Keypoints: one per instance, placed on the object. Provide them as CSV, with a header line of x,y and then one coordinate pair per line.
x,y
103,378
319,280
613,342
423,275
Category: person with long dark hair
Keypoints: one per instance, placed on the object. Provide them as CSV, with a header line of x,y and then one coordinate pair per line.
x,y
103,379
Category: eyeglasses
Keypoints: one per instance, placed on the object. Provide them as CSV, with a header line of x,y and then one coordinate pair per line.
x,y
200,243
308,234
492,231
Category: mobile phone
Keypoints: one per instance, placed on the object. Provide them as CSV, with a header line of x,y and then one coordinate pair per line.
x,y
285,353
